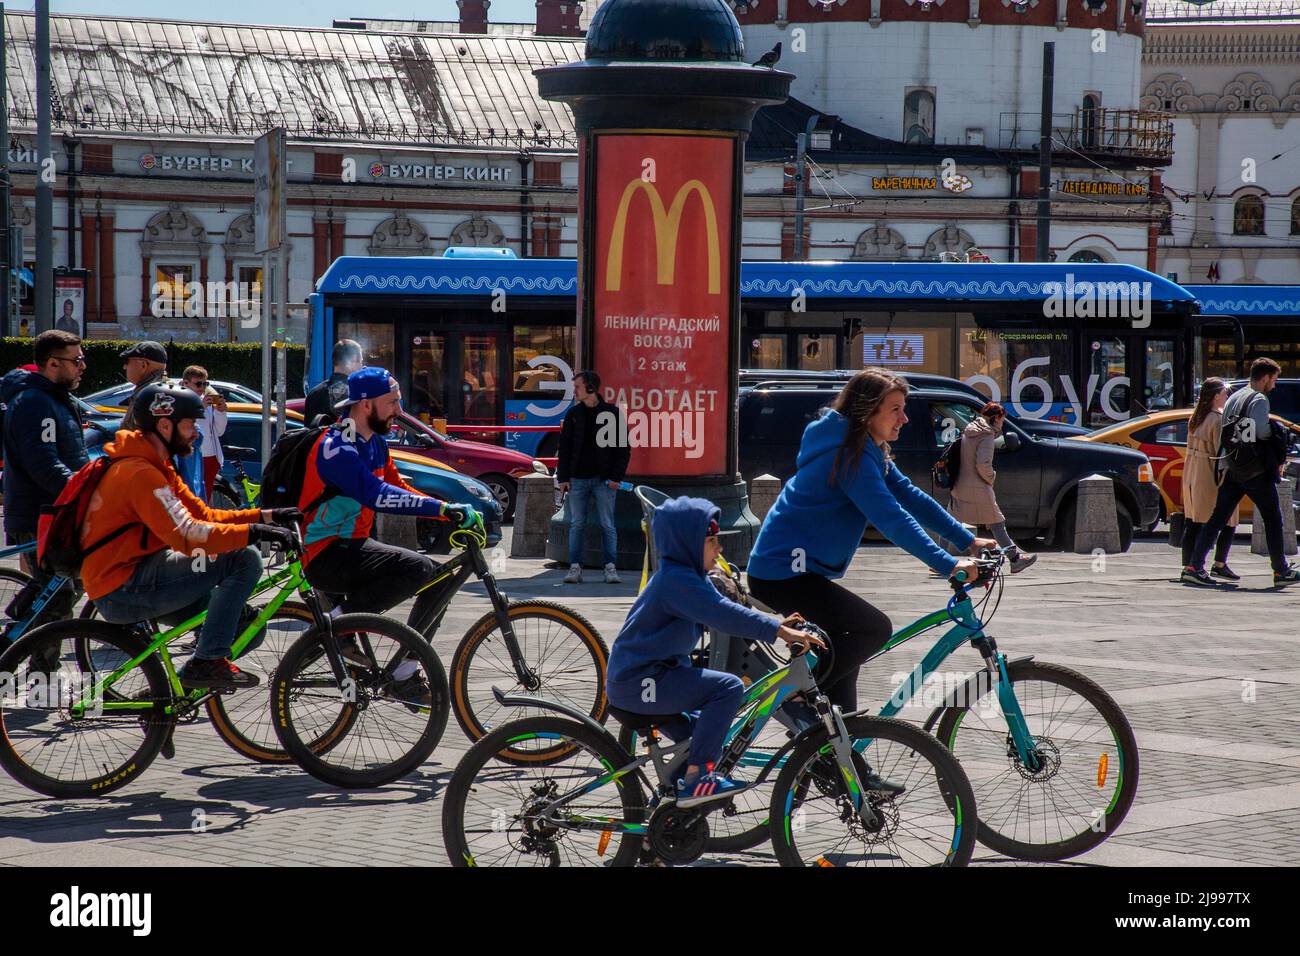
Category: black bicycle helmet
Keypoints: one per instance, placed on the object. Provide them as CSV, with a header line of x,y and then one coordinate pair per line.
x,y
156,402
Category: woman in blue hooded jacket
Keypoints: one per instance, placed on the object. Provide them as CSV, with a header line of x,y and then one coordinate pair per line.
x,y
650,668
845,480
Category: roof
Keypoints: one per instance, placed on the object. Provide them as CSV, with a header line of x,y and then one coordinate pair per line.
x,y
1170,12
164,77
1248,300
969,282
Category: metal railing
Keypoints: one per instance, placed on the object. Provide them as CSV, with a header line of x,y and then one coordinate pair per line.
x,y
1141,134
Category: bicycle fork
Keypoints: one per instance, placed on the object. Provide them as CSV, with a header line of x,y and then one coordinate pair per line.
x,y
843,750
995,664
526,676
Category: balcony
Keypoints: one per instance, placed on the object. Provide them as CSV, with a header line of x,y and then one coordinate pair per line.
x,y
1146,135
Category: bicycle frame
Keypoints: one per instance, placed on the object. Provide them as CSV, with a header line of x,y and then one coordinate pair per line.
x,y
14,550
289,580
966,628
432,600
762,699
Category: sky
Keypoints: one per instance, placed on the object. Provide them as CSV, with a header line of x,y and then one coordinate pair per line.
x,y
314,13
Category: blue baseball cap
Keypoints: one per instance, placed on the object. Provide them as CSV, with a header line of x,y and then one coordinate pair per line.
x,y
368,382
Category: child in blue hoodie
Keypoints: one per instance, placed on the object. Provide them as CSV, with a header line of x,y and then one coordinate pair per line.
x,y
650,670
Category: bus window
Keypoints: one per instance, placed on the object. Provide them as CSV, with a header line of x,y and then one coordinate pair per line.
x,y
1012,365
428,395
375,338
480,397
816,352
541,345
767,351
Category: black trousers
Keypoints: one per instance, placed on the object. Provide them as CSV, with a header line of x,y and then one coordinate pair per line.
x,y
1262,491
1193,528
856,629
372,577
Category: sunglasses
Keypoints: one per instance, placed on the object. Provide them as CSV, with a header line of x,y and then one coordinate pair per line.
x,y
199,384
79,360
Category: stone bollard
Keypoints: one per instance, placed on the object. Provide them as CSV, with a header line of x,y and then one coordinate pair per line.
x,y
763,492
397,530
1096,524
1286,497
534,506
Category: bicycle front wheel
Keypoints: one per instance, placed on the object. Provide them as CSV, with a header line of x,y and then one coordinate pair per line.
x,y
814,823
1087,772
243,720
61,738
559,646
394,707
11,582
495,814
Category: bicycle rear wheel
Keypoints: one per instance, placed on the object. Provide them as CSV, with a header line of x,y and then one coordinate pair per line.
x,y
813,822
1088,772
47,748
490,811
558,645
394,709
243,720
11,582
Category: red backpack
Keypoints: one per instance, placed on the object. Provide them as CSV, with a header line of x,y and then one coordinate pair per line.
x,y
58,529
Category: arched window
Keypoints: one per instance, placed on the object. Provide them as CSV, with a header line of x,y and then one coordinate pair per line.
x,y
1295,217
1248,216
1087,255
918,117
1089,116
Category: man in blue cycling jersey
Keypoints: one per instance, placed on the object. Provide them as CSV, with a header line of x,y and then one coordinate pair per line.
x,y
350,469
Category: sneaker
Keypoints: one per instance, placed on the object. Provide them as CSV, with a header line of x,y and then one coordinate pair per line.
x,y
413,692
1197,578
219,674
705,788
575,574
1225,572
828,773
1022,561
611,575
1290,576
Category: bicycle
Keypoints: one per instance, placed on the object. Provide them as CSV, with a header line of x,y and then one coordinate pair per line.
x,y
1008,725
241,493
548,648
820,813
112,706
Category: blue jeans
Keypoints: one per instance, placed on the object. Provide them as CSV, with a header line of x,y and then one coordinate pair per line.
x,y
168,582
580,491
710,698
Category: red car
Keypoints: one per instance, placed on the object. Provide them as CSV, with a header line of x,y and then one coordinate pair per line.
x,y
498,468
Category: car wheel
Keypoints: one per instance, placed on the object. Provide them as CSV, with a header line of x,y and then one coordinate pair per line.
x,y
503,489
1125,528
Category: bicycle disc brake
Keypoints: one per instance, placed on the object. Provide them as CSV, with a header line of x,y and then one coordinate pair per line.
x,y
678,837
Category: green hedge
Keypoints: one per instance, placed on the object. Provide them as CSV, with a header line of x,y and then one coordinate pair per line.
x,y
225,361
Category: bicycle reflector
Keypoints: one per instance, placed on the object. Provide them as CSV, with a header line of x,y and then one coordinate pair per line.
x,y
1145,472
603,845
1103,765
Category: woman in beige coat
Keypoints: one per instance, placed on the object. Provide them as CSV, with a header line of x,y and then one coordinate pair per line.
x,y
1200,487
973,500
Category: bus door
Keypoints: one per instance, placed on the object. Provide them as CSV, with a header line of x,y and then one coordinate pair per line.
x,y
455,375
1129,373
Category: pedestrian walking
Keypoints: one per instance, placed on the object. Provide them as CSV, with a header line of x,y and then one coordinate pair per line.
x,y
1200,487
324,398
1251,456
974,501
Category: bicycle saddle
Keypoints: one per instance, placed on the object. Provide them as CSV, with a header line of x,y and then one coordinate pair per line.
x,y
640,723
235,451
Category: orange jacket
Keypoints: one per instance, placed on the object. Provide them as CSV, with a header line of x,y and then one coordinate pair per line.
x,y
142,488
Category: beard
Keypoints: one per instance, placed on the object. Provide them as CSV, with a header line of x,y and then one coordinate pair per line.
x,y
176,445
380,426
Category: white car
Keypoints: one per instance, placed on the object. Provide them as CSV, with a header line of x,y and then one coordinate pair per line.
x,y
117,396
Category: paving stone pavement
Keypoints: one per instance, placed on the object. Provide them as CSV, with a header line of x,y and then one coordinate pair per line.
x,y
1210,681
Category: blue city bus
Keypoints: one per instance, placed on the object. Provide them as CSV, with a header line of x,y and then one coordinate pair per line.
x,y
1244,322
489,340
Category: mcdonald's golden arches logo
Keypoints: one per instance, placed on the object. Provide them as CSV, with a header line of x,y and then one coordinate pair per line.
x,y
667,222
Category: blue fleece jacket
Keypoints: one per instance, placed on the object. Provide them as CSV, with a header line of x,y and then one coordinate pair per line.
x,y
665,622
826,519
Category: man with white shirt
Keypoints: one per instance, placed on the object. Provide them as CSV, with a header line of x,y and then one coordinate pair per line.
x,y
214,423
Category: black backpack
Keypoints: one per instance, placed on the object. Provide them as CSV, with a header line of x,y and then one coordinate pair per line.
x,y
948,467
1244,454
285,472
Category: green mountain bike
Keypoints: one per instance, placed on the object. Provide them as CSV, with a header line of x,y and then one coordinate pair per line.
x,y
1051,756
86,706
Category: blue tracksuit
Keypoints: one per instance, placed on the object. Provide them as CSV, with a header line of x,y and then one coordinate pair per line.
x,y
649,666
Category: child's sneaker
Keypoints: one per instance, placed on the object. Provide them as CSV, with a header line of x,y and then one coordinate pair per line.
x,y
1290,576
705,788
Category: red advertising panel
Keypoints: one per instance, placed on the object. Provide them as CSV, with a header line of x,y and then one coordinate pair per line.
x,y
661,295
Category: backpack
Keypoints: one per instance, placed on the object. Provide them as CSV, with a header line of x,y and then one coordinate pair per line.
x,y
948,467
58,529
286,470
1243,459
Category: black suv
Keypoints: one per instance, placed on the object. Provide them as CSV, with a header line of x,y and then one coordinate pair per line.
x,y
1037,476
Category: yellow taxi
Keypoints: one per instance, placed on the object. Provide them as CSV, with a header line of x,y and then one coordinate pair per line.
x,y
1162,437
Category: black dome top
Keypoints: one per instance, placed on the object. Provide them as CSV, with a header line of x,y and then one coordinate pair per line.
x,y
660,30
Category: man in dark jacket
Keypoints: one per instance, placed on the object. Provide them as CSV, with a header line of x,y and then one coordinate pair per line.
x,y
326,396
144,363
43,447
589,468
